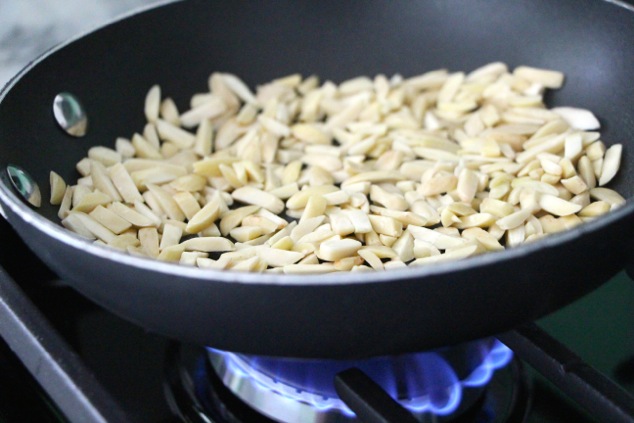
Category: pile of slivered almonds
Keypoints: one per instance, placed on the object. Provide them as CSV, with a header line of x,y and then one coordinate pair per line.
x,y
370,174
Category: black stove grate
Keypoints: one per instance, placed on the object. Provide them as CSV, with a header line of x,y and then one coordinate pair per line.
x,y
30,333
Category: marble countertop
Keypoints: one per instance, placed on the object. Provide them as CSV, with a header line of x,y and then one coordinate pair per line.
x,y
30,27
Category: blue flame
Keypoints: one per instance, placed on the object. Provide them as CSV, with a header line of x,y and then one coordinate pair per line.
x,y
421,382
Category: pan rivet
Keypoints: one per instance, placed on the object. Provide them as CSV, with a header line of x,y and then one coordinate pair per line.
x,y
70,114
25,185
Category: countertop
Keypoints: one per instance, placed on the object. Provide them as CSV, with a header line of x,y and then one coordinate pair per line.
x,y
30,27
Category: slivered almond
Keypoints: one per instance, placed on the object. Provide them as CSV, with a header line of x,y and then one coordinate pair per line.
x,y
575,184
171,236
378,163
169,132
279,258
205,216
608,195
545,77
586,172
438,239
152,103
359,220
310,133
238,87
389,200
90,200
135,218
372,259
467,185
595,209
104,155
110,220
149,239
513,220
257,197
578,118
305,227
172,253
124,184
187,203
208,244
316,206
611,164
143,209
233,218
557,206
102,181
386,225
338,249
246,233
58,188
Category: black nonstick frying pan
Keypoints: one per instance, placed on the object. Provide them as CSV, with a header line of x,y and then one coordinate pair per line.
x,y
342,315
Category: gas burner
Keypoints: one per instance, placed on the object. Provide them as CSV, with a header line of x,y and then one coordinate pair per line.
x,y
477,381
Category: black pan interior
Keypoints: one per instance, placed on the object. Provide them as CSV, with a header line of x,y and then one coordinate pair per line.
x,y
180,44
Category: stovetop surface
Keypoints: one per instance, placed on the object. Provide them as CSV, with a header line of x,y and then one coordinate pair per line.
x,y
129,362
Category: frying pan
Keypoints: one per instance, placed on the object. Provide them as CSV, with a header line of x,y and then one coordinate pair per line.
x,y
346,315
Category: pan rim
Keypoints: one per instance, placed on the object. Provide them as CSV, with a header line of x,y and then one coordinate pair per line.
x,y
49,228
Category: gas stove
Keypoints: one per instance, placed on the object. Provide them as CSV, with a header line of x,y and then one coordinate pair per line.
x,y
66,359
